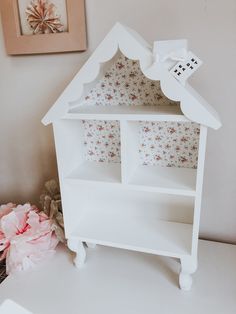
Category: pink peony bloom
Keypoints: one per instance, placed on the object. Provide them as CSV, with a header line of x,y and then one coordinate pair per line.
x,y
26,237
6,209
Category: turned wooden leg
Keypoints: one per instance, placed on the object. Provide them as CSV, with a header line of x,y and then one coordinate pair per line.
x,y
188,267
77,247
91,245
80,255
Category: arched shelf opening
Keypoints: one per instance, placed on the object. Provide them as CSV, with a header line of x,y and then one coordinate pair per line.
x,y
120,86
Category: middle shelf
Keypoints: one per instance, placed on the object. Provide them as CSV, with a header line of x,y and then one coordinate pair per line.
x,y
141,155
144,112
180,181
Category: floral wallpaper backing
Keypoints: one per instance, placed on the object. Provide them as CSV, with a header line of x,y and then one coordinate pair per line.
x,y
167,144
125,84
102,140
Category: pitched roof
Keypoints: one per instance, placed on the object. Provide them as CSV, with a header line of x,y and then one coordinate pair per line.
x,y
133,46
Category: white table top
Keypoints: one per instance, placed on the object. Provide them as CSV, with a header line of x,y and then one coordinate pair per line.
x,y
10,307
115,281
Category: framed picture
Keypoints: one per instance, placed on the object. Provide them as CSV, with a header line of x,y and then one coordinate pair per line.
x,y
43,26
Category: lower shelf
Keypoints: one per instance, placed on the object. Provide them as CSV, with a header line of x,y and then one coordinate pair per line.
x,y
138,233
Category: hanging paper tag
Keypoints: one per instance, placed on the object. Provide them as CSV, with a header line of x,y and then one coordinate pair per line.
x,y
184,69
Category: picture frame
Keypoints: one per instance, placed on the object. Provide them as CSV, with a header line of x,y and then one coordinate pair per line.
x,y
18,43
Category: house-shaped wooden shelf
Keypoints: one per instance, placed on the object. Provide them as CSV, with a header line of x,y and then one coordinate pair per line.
x,y
130,142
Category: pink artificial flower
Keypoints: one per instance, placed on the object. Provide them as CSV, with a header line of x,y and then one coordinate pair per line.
x,y
25,237
4,244
6,209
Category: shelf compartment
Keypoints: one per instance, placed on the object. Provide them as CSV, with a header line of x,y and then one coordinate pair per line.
x,y
127,112
144,234
136,220
97,172
179,181
150,163
91,150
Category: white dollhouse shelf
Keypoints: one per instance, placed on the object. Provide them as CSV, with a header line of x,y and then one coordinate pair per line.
x,y
130,143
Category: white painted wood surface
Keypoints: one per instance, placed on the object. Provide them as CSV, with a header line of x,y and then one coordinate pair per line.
x,y
120,281
141,113
199,185
10,307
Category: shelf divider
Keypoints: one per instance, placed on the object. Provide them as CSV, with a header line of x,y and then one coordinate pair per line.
x,y
129,149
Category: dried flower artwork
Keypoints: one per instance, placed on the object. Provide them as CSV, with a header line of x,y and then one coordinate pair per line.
x,y
43,18
50,200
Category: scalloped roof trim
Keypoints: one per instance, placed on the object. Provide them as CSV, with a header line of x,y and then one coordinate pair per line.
x,y
134,47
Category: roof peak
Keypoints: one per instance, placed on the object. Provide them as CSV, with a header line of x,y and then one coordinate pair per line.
x,y
134,47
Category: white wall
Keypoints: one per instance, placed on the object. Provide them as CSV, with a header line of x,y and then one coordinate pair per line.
x,y
30,84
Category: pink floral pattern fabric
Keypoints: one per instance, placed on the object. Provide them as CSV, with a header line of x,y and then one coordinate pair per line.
x,y
169,144
102,140
125,84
